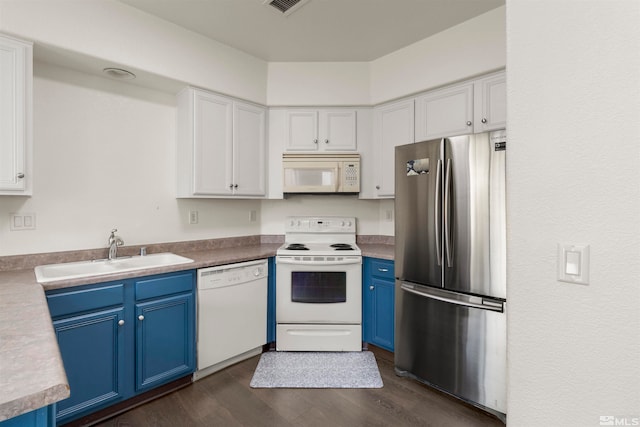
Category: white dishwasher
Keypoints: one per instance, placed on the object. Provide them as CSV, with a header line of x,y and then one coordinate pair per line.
x,y
232,314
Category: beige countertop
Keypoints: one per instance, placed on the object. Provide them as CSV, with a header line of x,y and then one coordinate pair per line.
x,y
31,371
377,250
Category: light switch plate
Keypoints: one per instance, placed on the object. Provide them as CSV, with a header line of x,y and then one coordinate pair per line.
x,y
22,221
573,263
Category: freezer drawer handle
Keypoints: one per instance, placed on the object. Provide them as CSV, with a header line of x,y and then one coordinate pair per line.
x,y
464,300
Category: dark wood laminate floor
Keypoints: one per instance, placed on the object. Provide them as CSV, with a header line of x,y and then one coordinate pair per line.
x,y
225,399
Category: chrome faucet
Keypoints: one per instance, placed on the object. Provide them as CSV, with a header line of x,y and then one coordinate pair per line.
x,y
114,242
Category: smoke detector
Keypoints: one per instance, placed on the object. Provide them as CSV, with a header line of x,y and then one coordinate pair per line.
x,y
286,7
119,73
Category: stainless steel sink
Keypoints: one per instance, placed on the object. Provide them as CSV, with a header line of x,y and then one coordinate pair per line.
x,y
75,270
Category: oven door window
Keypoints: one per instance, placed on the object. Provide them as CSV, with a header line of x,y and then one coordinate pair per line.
x,y
319,287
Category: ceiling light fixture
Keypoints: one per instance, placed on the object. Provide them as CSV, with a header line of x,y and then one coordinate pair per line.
x,y
119,73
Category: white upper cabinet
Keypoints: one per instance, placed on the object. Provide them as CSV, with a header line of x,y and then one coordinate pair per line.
x,y
338,130
321,130
221,146
490,103
393,125
249,149
212,145
16,80
302,130
471,107
444,112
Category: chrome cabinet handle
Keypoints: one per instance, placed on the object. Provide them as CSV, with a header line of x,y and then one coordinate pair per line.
x,y
20,175
230,185
315,141
120,322
326,141
469,123
371,287
484,120
377,187
141,317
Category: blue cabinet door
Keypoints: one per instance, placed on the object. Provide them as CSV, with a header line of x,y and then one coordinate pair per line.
x,y
93,352
165,340
43,417
378,314
382,308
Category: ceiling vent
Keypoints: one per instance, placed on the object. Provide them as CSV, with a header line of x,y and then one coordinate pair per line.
x,y
286,7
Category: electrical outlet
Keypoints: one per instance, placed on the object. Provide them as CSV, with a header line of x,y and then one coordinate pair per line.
x,y
193,217
254,216
388,215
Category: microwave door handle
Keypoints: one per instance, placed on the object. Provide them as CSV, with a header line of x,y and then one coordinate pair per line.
x,y
337,178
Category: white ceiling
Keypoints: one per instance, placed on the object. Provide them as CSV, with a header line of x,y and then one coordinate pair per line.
x,y
320,30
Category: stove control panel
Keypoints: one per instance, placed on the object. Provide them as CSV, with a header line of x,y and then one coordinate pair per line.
x,y
305,224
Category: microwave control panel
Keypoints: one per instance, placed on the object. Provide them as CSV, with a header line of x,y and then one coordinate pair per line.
x,y
351,177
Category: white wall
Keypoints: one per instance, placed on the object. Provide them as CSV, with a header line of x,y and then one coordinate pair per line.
x,y
113,31
103,158
573,81
474,47
318,83
274,212
471,48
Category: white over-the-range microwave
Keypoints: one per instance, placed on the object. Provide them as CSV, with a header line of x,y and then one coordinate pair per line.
x,y
321,173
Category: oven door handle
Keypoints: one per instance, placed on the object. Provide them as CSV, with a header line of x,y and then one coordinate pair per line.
x,y
356,260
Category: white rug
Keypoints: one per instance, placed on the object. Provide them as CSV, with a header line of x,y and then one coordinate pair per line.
x,y
286,369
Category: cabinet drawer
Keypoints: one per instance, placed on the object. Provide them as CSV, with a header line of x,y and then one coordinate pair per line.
x,y
382,268
66,303
164,285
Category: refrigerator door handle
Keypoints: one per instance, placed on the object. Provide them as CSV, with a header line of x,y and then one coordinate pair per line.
x,y
447,207
453,297
436,214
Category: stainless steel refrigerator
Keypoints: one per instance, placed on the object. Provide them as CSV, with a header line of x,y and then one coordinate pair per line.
x,y
450,264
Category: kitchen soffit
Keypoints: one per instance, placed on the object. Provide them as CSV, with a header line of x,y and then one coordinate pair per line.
x,y
322,30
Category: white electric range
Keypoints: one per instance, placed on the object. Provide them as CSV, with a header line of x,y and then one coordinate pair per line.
x,y
319,286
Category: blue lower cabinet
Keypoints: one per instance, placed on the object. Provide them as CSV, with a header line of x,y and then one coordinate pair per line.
x,y
378,302
93,352
121,339
164,340
43,417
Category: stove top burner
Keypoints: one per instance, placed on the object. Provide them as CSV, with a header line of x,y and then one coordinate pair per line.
x,y
297,247
342,247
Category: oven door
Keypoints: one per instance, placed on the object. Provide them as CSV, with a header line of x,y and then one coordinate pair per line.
x,y
321,290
